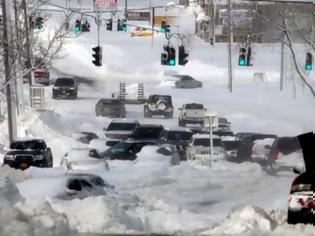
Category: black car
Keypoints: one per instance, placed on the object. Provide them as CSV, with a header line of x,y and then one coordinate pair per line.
x,y
126,150
178,137
26,153
147,132
186,81
65,88
160,105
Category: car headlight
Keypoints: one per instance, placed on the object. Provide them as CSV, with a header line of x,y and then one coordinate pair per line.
x,y
55,88
71,88
38,157
9,157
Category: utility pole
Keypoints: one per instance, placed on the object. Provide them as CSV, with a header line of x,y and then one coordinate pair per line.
x,y
28,42
282,63
126,9
230,70
8,62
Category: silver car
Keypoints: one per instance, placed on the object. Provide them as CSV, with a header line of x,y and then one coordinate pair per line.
x,y
186,81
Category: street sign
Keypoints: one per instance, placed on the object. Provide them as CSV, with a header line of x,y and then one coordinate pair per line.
x,y
105,5
139,16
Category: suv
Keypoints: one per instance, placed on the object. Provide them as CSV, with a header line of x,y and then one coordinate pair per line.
x,y
158,105
199,149
191,113
179,137
26,153
110,107
65,88
147,132
120,128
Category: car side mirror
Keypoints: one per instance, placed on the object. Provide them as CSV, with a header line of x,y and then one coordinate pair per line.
x,y
180,109
297,170
267,146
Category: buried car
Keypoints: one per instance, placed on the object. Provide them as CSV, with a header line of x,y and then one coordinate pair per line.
x,y
82,185
83,158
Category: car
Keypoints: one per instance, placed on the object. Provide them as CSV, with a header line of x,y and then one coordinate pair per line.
x,y
159,153
140,32
178,137
231,145
199,148
78,158
114,108
191,113
158,105
301,205
148,132
244,152
65,88
120,128
42,76
28,152
261,150
126,150
83,185
85,137
186,81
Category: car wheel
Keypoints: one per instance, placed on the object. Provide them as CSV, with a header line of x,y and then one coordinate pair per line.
x,y
293,217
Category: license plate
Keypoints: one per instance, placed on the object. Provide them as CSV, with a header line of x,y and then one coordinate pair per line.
x,y
23,165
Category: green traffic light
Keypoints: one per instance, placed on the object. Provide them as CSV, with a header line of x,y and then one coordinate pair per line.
x,y
308,67
172,62
77,29
241,62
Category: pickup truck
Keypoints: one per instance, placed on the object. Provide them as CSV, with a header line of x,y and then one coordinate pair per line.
x,y
192,113
30,152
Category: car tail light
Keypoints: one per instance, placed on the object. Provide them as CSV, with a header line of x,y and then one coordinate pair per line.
x,y
301,202
311,204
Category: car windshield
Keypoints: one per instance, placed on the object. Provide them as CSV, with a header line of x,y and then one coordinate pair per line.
x,y
122,147
223,133
121,126
179,135
206,142
34,145
186,78
111,102
146,133
64,82
194,106
231,145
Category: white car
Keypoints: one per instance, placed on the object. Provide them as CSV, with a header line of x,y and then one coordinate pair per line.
x,y
120,128
83,158
261,150
82,185
191,113
199,148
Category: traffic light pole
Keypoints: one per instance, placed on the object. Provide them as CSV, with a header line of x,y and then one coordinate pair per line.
x,y
282,63
230,65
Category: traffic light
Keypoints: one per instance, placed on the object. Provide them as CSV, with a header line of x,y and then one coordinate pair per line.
x,y
109,25
97,56
211,41
249,53
164,27
242,57
77,26
124,25
38,22
168,57
309,61
182,56
119,25
164,55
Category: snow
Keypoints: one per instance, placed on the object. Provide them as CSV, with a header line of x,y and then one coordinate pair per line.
x,y
154,196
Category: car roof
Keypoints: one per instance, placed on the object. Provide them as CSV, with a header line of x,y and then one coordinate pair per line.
x,y
70,78
205,136
179,129
159,95
28,140
193,103
124,120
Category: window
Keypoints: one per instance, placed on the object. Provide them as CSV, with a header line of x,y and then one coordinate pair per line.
x,y
179,135
64,82
121,126
194,106
206,142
